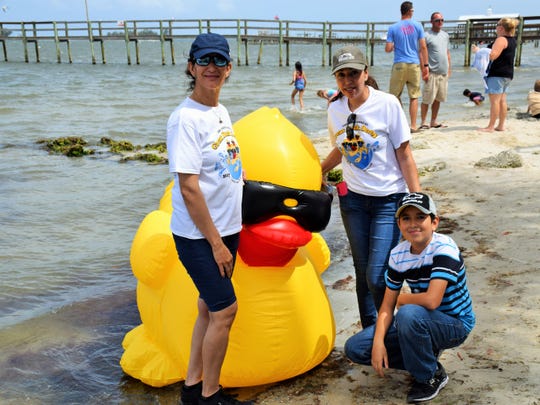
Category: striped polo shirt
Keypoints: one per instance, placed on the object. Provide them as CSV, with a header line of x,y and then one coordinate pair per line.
x,y
441,259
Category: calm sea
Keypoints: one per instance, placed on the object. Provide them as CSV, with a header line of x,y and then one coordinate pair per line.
x,y
67,295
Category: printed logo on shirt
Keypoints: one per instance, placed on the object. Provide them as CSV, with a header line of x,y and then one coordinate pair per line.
x,y
407,29
357,150
229,163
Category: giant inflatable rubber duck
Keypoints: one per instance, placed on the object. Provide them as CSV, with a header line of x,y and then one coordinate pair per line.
x,y
284,325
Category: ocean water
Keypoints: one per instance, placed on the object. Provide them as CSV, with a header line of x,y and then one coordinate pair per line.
x,y
67,295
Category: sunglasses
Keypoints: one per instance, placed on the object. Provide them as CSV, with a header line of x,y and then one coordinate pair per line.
x,y
349,130
439,20
262,201
217,60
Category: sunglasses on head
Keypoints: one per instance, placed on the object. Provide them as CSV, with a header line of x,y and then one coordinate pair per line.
x,y
217,60
349,130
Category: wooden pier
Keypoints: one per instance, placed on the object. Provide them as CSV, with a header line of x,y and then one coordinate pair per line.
x,y
284,33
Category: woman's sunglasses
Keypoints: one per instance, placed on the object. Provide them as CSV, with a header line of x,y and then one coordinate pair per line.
x,y
349,130
217,60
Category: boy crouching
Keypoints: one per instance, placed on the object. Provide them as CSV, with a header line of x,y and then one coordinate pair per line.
x,y
437,314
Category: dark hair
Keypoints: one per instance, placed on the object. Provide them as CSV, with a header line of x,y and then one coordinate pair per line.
x,y
191,84
434,14
432,216
406,6
298,66
370,82
466,92
537,85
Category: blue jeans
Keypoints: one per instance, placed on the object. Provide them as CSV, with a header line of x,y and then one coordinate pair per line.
x,y
372,232
413,342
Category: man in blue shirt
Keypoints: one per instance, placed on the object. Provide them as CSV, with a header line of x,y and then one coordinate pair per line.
x,y
407,40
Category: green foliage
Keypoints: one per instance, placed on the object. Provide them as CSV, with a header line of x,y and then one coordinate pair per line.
x,y
118,146
161,147
140,33
124,146
150,158
334,176
72,146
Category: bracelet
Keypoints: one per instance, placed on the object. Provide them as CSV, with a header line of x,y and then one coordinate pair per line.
x,y
426,65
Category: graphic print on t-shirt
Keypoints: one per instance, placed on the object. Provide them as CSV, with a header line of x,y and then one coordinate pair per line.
x,y
359,150
229,163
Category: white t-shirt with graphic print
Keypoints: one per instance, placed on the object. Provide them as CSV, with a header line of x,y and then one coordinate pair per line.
x,y
197,143
369,162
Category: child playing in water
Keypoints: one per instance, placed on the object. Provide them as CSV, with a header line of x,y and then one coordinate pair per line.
x,y
474,96
327,94
299,80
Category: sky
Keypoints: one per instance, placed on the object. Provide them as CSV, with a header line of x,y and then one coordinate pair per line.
x,y
299,10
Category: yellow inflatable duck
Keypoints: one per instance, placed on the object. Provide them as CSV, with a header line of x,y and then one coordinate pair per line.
x,y
284,325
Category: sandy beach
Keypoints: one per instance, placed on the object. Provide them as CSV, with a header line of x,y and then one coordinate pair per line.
x,y
493,214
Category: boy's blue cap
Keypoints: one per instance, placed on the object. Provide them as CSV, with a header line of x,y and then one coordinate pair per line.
x,y
419,200
208,43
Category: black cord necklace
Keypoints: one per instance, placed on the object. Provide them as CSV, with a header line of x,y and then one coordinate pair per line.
x,y
214,110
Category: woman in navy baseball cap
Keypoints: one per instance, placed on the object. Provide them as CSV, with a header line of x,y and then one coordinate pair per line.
x,y
204,158
210,43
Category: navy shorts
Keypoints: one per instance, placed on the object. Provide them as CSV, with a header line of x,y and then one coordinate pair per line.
x,y
197,257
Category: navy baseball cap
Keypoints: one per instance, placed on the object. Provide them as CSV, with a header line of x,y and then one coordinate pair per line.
x,y
208,43
419,200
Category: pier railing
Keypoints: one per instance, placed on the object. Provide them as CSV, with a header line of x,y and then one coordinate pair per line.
x,y
282,33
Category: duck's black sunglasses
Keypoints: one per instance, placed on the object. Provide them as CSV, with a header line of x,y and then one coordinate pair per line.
x,y
349,130
217,60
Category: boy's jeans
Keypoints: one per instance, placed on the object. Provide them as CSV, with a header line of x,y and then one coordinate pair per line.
x,y
413,342
372,232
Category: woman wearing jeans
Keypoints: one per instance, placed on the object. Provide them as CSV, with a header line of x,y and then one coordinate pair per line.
x,y
370,134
